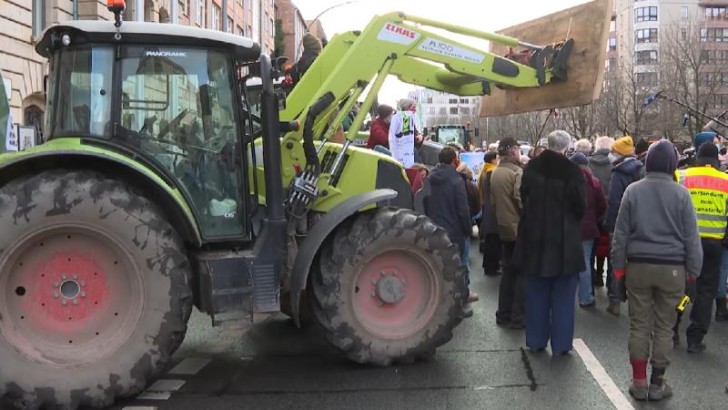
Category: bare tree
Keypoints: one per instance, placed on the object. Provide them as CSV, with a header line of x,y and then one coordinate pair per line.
x,y
694,69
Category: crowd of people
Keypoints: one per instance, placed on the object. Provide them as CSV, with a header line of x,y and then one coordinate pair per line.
x,y
579,216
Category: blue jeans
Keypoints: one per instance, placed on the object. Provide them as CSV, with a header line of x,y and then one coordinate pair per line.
x,y
465,258
585,277
723,275
550,312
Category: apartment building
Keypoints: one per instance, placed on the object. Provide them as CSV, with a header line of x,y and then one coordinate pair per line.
x,y
436,107
22,22
293,26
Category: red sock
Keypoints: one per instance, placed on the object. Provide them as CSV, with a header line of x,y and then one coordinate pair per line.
x,y
639,369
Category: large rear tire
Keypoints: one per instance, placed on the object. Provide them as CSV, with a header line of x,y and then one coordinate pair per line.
x,y
94,290
389,287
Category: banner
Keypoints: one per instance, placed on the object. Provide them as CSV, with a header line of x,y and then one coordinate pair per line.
x,y
475,161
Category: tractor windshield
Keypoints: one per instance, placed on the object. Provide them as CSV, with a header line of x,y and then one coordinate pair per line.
x,y
174,104
447,135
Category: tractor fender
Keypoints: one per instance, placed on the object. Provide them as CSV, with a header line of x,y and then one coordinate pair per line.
x,y
318,234
161,189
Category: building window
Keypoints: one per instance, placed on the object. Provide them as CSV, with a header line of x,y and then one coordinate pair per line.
x,y
39,17
683,34
215,17
645,14
646,35
463,101
200,13
714,35
454,110
646,79
612,43
612,64
646,57
443,111
684,13
230,25
713,79
715,13
184,6
465,110
452,101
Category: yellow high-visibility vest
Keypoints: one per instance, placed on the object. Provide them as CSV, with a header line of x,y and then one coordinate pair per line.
x,y
709,190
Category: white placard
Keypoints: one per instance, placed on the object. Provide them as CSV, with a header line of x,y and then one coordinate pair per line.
x,y
26,137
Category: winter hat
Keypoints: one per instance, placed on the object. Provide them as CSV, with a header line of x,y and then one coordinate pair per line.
x,y
641,146
310,42
708,155
661,157
506,143
405,103
579,159
624,146
703,137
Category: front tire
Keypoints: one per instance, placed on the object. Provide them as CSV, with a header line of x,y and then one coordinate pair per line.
x,y
390,287
93,290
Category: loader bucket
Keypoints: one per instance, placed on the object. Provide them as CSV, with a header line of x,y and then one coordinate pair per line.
x,y
588,26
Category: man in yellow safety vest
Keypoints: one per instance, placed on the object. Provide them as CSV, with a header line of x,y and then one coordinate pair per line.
x,y
708,188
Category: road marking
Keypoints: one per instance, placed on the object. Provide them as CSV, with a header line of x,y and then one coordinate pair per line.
x,y
153,395
140,408
613,392
161,390
189,366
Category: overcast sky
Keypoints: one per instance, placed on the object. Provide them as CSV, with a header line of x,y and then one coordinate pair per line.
x,y
486,15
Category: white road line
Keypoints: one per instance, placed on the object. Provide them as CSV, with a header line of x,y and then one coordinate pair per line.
x,y
189,366
161,390
153,395
613,392
140,408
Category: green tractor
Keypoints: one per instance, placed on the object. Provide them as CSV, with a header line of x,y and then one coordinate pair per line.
x,y
159,187
163,182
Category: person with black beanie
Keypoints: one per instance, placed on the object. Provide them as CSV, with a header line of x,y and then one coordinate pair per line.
x,y
656,246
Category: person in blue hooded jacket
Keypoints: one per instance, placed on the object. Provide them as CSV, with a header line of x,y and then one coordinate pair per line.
x,y
626,169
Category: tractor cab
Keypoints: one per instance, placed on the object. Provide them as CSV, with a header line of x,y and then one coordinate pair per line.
x,y
166,93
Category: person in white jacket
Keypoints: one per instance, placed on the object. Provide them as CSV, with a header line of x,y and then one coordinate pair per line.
x,y
404,133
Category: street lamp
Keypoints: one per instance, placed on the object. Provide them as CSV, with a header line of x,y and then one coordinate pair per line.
x,y
328,9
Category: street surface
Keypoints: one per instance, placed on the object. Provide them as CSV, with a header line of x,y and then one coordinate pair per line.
x,y
276,366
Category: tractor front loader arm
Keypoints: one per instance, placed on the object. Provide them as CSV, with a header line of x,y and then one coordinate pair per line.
x,y
355,64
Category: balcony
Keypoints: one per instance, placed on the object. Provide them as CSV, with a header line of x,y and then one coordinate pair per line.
x,y
710,3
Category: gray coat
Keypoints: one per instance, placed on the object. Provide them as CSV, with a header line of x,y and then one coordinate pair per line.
x,y
601,167
659,228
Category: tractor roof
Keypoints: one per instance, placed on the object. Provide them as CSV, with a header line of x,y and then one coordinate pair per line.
x,y
147,34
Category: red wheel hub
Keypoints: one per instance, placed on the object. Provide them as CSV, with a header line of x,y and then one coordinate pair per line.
x,y
395,294
72,295
68,288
